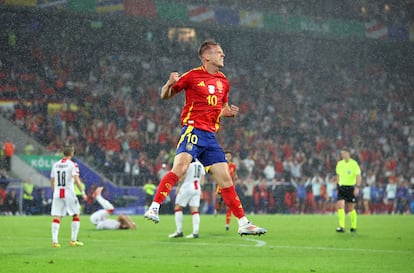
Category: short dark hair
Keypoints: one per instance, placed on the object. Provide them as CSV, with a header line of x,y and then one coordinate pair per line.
x,y
206,45
346,149
68,150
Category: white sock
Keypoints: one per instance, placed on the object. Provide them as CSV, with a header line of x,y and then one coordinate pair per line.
x,y
104,203
179,220
55,232
75,230
155,205
196,222
243,221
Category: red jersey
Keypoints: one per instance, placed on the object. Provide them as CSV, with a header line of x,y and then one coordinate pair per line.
x,y
205,95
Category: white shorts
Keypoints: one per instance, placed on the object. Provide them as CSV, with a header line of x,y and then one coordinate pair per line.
x,y
108,224
99,216
189,197
68,205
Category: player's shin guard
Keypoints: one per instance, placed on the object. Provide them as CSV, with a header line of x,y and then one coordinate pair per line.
x,y
165,187
231,199
353,216
341,218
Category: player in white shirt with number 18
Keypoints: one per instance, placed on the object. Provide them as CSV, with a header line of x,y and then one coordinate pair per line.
x,y
64,175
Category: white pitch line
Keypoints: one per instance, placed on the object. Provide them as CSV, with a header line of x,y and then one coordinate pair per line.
x,y
260,243
342,249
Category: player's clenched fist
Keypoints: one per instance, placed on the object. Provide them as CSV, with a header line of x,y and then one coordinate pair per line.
x,y
174,76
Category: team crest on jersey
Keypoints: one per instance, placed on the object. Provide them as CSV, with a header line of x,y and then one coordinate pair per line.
x,y
219,86
211,89
189,146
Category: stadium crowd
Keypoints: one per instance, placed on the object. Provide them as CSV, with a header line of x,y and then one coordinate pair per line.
x,y
285,142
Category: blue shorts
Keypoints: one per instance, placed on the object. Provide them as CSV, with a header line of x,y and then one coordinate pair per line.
x,y
201,145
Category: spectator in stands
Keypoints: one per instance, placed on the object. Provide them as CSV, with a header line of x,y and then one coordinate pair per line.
x,y
269,171
249,183
135,172
11,205
377,198
261,197
366,197
162,171
9,149
42,202
301,194
402,198
317,183
277,193
28,148
4,182
390,193
331,193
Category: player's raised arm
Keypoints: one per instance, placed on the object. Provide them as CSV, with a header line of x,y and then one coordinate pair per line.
x,y
229,111
166,90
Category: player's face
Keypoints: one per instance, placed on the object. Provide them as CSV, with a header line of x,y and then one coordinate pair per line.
x,y
345,155
216,56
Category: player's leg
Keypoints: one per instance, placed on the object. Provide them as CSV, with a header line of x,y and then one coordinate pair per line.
x,y
195,214
340,205
73,209
58,210
180,166
102,201
352,215
220,172
178,217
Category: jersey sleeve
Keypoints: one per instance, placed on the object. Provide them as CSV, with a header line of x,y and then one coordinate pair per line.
x,y
75,169
181,84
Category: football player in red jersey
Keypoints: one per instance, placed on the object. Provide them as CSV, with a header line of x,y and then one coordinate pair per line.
x,y
206,102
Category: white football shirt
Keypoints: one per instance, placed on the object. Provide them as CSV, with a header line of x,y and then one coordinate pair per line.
x,y
63,173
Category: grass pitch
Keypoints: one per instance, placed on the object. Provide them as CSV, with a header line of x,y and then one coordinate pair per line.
x,y
294,243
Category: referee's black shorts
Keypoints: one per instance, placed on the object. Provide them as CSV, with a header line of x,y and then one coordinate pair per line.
x,y
346,193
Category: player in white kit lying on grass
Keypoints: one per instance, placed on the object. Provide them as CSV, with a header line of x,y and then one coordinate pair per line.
x,y
101,219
